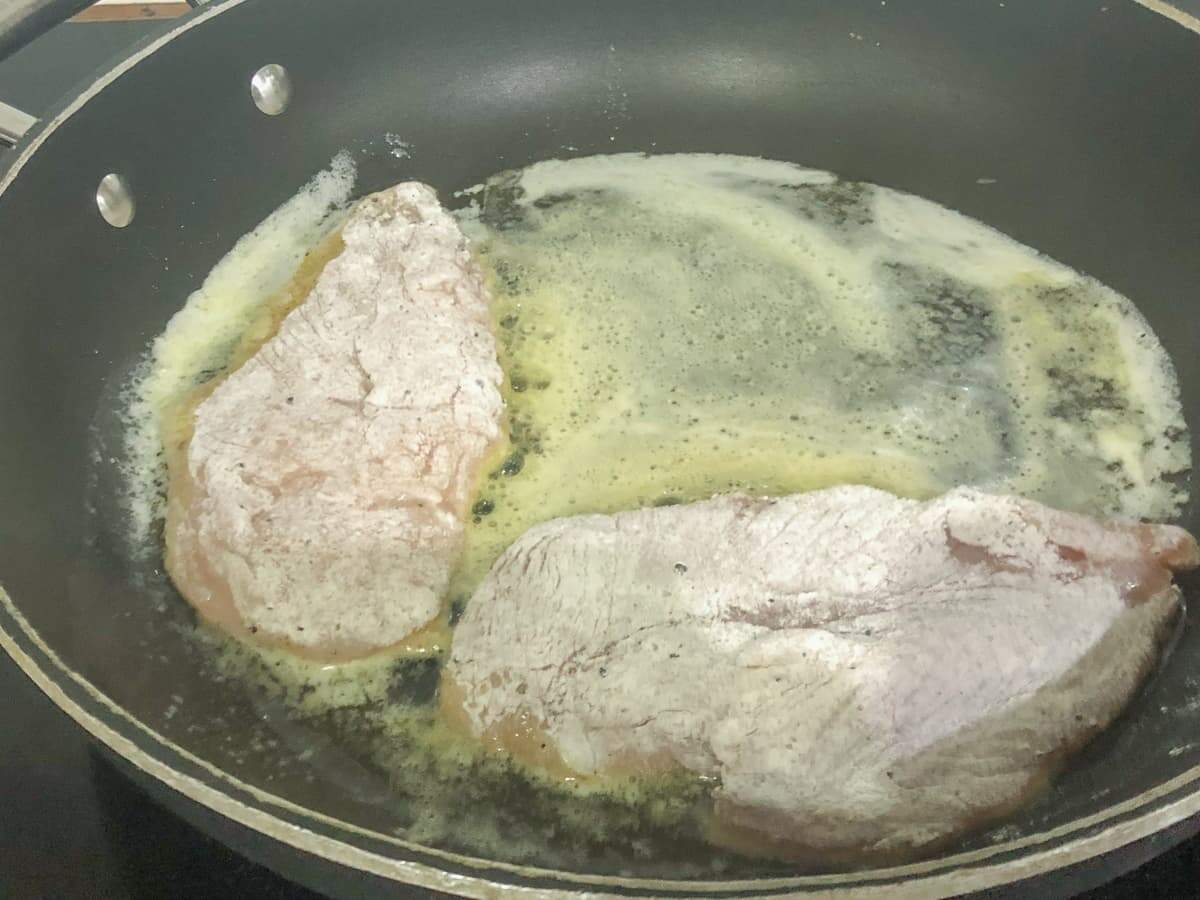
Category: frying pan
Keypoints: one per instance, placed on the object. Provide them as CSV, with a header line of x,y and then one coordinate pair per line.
x,y
1073,126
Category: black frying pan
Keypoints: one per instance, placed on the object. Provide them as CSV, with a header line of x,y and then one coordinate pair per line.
x,y
1087,116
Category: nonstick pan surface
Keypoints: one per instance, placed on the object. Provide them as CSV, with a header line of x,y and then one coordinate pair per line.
x,y
1080,120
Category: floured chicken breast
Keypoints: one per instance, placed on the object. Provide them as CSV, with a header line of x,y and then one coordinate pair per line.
x,y
856,671
321,497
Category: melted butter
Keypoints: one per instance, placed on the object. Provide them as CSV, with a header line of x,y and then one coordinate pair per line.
x,y
452,791
671,328
235,310
674,327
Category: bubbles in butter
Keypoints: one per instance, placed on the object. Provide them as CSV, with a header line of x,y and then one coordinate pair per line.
x,y
677,326
672,327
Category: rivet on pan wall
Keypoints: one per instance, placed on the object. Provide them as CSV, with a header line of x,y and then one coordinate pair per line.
x,y
115,200
271,88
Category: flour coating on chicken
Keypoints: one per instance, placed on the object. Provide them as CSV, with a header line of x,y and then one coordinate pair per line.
x,y
858,671
321,499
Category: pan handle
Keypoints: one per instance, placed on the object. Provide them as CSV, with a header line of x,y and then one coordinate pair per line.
x,y
13,124
21,22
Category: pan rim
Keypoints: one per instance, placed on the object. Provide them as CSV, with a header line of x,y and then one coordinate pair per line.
x,y
945,876
1115,827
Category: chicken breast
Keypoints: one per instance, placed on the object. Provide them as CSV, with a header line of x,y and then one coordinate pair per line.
x,y
858,672
320,500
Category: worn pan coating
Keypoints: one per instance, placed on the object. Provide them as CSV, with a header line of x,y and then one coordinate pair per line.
x,y
1081,118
